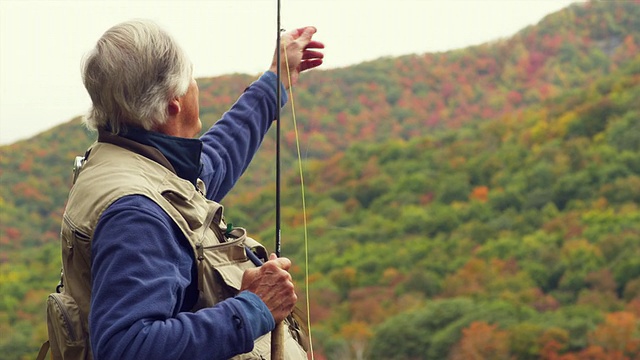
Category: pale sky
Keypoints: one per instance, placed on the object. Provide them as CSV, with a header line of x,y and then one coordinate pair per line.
x,y
42,42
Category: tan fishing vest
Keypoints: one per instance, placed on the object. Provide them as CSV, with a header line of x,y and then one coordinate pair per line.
x,y
112,172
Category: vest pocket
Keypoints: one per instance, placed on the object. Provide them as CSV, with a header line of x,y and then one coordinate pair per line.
x,y
222,266
66,333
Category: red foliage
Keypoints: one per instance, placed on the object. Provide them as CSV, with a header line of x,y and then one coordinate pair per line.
x,y
514,97
28,192
545,302
370,304
11,235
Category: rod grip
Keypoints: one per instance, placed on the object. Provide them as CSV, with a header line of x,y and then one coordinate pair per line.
x,y
277,342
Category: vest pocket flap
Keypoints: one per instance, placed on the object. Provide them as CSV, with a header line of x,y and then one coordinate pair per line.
x,y
231,275
229,260
194,210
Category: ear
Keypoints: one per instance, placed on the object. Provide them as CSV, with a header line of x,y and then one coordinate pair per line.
x,y
174,107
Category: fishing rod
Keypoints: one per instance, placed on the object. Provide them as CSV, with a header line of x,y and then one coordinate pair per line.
x,y
277,335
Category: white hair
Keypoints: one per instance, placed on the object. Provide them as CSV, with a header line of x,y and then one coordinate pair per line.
x,y
133,72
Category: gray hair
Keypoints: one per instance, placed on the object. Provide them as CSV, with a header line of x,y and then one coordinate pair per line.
x,y
133,72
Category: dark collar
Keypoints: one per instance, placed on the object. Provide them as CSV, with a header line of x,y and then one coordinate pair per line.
x,y
180,155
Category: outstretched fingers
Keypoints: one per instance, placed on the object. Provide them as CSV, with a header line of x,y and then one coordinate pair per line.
x,y
311,59
308,54
301,52
309,64
314,45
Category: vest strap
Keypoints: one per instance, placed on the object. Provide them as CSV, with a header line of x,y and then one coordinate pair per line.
x,y
44,349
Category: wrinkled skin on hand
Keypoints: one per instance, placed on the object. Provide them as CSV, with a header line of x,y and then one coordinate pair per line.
x,y
273,284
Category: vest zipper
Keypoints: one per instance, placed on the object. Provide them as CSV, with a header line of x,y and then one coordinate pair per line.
x,y
67,319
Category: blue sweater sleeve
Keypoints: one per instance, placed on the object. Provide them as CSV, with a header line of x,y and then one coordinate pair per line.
x,y
230,144
141,269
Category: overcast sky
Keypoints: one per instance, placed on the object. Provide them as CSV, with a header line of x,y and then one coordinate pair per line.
x,y
42,42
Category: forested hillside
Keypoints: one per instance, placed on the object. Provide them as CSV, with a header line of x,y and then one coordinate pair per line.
x,y
479,201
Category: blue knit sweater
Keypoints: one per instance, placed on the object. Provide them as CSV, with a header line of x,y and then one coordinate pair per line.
x,y
143,271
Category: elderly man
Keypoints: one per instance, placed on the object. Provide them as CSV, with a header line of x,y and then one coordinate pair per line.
x,y
147,257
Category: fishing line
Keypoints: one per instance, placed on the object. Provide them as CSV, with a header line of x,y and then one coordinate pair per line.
x,y
304,206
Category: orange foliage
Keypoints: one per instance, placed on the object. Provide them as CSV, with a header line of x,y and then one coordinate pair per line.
x,y
634,307
476,275
482,341
467,280
598,353
357,330
480,193
457,162
331,173
391,276
357,335
616,333
371,305
550,350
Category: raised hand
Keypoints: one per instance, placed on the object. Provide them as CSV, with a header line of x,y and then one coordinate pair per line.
x,y
299,48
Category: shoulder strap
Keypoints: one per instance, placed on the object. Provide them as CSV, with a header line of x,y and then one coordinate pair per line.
x,y
44,349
